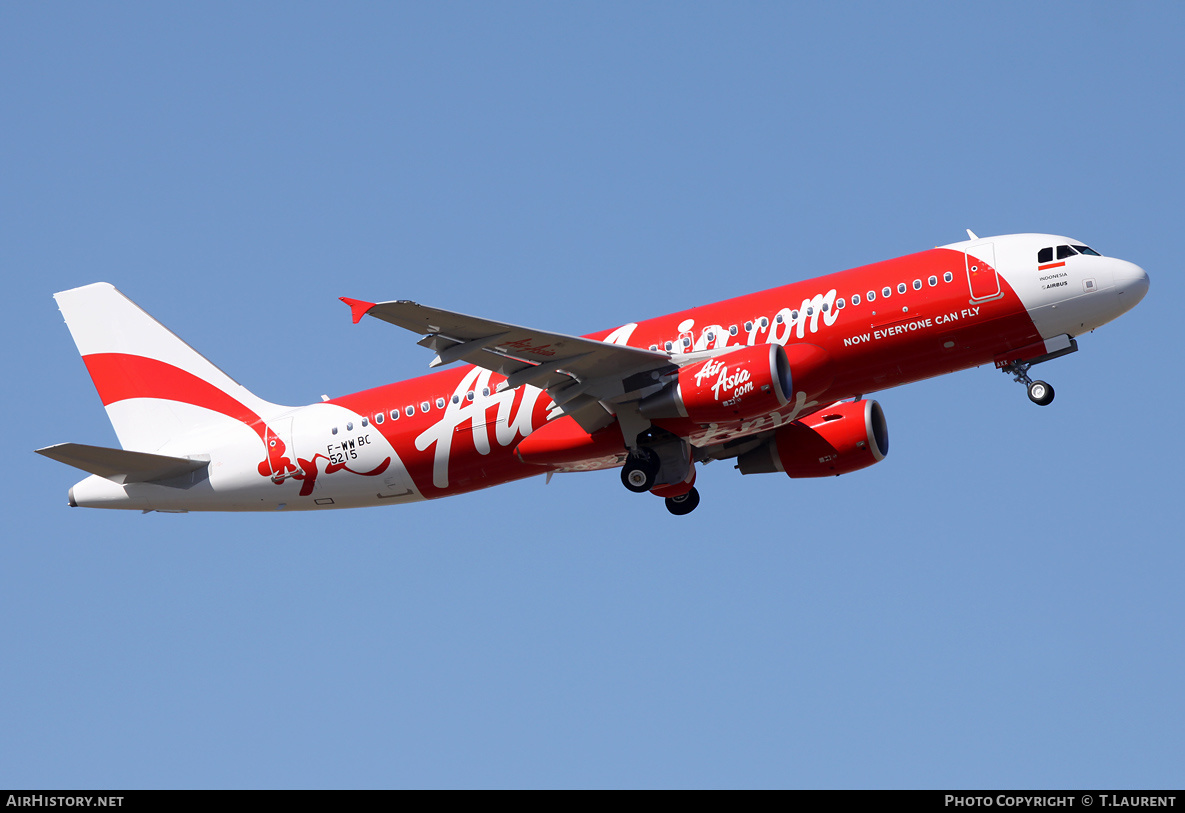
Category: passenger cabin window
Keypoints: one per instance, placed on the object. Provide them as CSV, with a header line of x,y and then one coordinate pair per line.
x,y
440,403
379,417
917,285
871,296
1065,251
933,280
732,330
948,276
901,287
855,299
886,291
394,414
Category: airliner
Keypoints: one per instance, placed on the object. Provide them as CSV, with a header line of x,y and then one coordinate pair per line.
x,y
776,381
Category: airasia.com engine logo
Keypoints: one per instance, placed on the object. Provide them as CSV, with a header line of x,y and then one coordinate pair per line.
x,y
738,382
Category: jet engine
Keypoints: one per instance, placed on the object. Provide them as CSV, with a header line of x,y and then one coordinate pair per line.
x,y
731,387
841,438
742,384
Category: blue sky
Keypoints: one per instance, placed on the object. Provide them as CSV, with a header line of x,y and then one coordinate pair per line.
x,y
997,604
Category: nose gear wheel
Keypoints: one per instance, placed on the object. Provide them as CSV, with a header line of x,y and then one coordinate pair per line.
x,y
1040,392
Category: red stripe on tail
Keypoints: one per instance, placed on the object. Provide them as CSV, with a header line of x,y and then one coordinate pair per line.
x,y
119,376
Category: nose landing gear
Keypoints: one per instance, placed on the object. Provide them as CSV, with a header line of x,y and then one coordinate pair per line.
x,y
1040,393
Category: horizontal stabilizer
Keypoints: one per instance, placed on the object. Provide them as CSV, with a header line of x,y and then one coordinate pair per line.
x,y
120,466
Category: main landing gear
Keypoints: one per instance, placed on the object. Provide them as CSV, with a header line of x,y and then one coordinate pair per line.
x,y
684,503
640,472
645,467
1040,393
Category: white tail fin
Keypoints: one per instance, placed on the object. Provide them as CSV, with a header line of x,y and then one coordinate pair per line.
x,y
155,387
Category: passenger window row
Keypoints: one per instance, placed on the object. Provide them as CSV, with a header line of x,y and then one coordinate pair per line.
x,y
840,304
887,291
410,409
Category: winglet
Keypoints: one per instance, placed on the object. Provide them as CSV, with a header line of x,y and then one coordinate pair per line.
x,y
358,307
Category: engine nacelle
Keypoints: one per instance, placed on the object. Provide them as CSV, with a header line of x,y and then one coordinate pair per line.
x,y
843,437
734,386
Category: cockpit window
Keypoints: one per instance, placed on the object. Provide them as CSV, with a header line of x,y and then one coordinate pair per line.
x,y
1065,251
1087,250
1045,255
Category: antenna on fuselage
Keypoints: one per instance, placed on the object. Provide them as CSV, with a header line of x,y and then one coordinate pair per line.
x,y
972,234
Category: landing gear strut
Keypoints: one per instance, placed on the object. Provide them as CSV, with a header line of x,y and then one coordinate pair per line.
x,y
684,503
1040,393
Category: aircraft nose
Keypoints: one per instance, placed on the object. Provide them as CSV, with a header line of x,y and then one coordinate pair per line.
x,y
1131,283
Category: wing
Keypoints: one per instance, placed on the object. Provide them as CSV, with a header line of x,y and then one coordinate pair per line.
x,y
588,379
